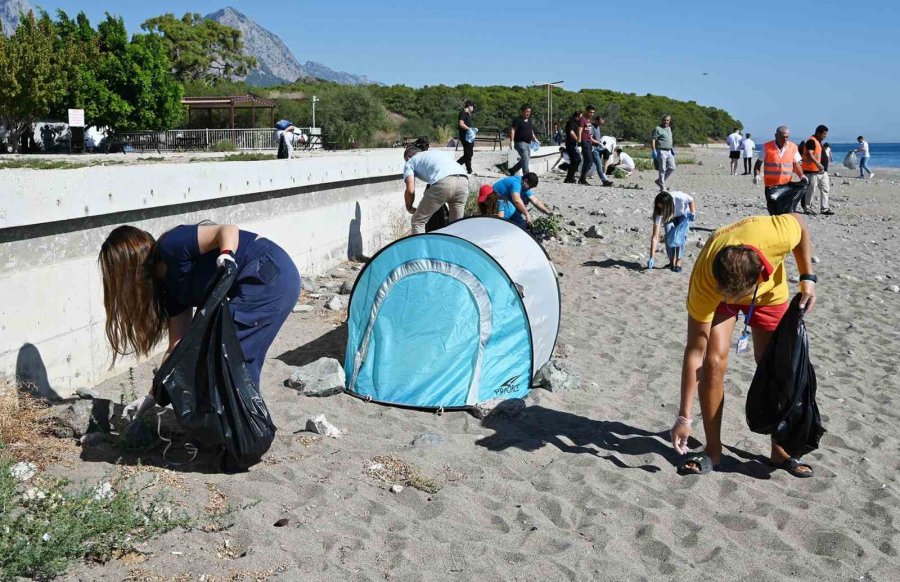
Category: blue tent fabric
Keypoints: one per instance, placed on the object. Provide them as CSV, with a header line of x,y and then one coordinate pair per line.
x,y
435,322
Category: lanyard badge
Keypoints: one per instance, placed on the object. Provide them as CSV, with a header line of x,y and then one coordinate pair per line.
x,y
743,343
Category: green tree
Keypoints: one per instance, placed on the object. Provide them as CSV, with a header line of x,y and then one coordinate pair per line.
x,y
201,49
32,74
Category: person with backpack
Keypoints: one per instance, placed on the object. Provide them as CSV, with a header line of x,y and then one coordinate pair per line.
x,y
741,269
673,212
151,287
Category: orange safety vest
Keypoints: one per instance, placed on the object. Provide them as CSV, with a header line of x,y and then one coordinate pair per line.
x,y
778,168
809,157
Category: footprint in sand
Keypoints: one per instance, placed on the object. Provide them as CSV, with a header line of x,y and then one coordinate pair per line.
x,y
832,544
737,522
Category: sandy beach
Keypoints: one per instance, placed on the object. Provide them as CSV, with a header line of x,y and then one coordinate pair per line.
x,y
582,485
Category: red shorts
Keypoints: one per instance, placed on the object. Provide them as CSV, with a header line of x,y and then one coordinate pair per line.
x,y
764,317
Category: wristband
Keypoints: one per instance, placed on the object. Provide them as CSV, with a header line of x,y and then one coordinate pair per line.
x,y
684,420
811,278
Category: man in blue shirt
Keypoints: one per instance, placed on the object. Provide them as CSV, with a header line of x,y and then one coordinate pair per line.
x,y
510,193
447,184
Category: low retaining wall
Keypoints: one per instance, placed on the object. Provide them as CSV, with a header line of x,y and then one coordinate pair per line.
x,y
320,209
541,161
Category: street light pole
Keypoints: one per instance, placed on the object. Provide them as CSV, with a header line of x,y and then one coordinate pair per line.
x,y
314,101
549,100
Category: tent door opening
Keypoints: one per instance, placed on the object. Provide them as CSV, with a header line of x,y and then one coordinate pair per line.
x,y
447,323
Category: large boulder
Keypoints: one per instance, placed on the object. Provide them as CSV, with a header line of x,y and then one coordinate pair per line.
x,y
555,377
324,377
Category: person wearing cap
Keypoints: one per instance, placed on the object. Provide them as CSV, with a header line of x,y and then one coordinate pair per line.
x,y
513,196
447,184
741,269
488,202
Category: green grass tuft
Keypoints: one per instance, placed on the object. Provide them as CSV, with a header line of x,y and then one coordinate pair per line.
x,y
46,523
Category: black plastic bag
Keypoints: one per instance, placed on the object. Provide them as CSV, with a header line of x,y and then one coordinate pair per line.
x,y
785,198
207,382
283,152
782,397
439,219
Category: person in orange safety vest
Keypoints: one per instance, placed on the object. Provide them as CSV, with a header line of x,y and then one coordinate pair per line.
x,y
814,167
779,160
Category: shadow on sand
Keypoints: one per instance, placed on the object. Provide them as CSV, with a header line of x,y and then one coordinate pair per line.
x,y
331,345
607,439
611,263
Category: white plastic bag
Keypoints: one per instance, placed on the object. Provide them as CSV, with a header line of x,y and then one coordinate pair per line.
x,y
850,161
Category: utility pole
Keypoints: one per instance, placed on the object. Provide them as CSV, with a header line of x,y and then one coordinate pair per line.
x,y
549,87
314,101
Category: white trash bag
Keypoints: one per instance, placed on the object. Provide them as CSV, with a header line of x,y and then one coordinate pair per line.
x,y
850,161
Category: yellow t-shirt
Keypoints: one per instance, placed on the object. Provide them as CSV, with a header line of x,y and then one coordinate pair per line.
x,y
774,236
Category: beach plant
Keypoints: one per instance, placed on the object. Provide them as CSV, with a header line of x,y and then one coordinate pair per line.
x,y
620,174
644,165
226,145
547,226
46,523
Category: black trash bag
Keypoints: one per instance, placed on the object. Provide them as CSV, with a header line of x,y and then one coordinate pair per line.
x,y
782,397
439,219
785,198
207,382
283,152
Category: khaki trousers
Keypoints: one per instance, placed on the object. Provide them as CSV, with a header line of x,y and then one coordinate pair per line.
x,y
452,190
822,183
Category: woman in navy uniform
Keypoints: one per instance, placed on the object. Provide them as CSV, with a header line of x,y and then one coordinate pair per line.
x,y
151,287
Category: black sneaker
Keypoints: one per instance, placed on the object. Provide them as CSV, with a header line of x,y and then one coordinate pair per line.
x,y
827,212
607,183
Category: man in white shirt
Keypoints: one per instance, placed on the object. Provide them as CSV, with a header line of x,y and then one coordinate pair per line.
x,y
734,149
447,184
625,163
863,151
748,146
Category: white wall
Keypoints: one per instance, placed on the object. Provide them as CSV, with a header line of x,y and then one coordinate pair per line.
x,y
52,223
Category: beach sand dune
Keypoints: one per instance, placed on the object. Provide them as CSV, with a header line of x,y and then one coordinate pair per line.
x,y
583,485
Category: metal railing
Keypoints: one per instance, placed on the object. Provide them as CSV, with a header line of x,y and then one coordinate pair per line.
x,y
203,139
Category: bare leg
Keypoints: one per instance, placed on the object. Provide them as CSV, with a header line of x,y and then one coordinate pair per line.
x,y
711,387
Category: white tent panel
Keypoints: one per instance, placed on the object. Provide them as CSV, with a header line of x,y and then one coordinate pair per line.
x,y
527,266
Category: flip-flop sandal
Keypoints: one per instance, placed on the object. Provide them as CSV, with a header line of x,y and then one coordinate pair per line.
x,y
700,460
792,465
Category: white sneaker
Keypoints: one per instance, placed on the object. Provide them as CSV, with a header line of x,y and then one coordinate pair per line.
x,y
871,176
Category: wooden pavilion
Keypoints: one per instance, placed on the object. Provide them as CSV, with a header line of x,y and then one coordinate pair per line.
x,y
230,103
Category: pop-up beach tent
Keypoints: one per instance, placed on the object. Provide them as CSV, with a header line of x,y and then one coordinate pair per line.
x,y
452,318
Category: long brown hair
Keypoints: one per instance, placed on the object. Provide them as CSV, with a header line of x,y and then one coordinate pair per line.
x,y
664,207
135,311
489,206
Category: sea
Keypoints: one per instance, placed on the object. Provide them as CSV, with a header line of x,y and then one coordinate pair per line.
x,y
883,155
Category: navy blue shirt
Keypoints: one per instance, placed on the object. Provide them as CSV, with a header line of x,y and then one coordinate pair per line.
x,y
188,272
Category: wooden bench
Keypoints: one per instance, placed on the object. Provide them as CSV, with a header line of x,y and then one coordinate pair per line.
x,y
491,135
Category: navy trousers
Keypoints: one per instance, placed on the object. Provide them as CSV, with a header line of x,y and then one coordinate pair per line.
x,y
266,291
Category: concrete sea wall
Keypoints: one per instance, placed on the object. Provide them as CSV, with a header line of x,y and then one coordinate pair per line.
x,y
320,209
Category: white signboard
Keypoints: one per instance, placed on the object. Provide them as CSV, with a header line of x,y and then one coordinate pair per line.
x,y
76,117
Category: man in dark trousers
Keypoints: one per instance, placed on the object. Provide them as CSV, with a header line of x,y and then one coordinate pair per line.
x,y
521,134
465,123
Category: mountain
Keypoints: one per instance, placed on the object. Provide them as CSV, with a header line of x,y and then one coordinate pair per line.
x,y
320,71
275,62
9,14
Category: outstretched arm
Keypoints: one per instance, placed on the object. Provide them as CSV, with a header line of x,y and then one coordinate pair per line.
x,y
540,205
410,194
803,256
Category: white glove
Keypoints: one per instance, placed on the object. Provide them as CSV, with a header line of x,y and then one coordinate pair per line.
x,y
224,258
756,178
138,407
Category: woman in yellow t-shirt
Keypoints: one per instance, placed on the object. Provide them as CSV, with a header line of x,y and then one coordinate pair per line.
x,y
740,269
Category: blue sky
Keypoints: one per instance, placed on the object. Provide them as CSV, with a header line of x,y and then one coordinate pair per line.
x,y
798,63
